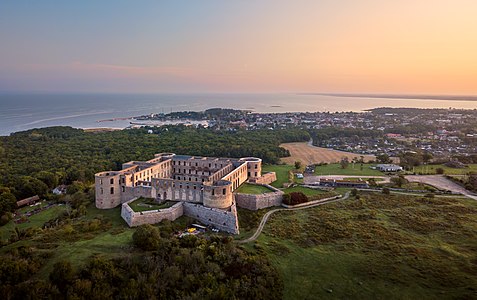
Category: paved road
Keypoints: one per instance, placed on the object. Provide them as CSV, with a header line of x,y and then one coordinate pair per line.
x,y
440,182
268,214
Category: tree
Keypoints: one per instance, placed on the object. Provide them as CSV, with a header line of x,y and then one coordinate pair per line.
x,y
386,191
383,158
62,275
147,237
8,203
399,181
297,165
49,178
344,162
29,186
354,192
426,157
294,198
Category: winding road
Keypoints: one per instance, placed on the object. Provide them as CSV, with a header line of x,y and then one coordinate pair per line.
x,y
268,214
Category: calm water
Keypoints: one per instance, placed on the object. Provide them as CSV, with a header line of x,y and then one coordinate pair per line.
x,y
22,112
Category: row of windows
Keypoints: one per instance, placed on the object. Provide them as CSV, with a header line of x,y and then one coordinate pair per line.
x,y
111,181
111,191
223,191
196,164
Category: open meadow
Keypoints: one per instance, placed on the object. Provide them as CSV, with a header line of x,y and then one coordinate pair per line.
x,y
386,247
431,169
308,154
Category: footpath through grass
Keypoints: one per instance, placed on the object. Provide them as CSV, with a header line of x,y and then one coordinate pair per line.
x,y
357,169
394,246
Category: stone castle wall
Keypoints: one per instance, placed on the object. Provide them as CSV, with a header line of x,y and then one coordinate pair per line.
x,y
224,220
266,178
152,216
260,201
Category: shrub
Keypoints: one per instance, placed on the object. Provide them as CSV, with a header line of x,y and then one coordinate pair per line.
x,y
294,198
386,191
147,237
440,171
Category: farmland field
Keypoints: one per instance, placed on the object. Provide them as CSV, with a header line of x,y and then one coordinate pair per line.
x,y
356,170
310,154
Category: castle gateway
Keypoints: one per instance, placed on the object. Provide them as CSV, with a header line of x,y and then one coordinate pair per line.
x,y
202,186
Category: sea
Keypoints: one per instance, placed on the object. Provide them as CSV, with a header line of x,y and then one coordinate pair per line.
x,y
19,112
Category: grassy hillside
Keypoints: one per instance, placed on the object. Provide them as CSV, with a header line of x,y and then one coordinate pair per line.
x,y
391,247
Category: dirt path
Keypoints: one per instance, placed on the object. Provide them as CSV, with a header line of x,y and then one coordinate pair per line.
x,y
440,182
268,214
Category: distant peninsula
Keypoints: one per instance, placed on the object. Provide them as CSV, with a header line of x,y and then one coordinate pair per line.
x,y
398,96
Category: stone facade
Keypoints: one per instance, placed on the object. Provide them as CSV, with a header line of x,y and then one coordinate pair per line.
x,y
266,178
260,201
203,185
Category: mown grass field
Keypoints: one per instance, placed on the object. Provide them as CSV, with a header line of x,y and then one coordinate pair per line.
x,y
335,169
247,188
281,171
431,169
378,247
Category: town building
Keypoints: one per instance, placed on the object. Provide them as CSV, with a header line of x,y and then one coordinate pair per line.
x,y
388,168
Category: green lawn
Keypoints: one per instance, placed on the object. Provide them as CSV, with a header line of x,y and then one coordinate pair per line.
x,y
281,171
335,169
395,247
431,169
247,188
78,252
34,221
143,204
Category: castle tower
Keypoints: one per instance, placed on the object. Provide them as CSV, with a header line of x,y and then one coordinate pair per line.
x,y
218,195
254,167
108,189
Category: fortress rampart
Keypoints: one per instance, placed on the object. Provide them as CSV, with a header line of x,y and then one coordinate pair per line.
x,y
260,201
152,216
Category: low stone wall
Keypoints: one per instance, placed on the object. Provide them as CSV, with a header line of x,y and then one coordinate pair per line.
x,y
224,220
151,216
266,178
260,201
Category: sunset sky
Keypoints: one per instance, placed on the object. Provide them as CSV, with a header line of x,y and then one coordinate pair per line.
x,y
347,46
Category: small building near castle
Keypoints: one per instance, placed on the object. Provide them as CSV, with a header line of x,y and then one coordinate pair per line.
x,y
202,188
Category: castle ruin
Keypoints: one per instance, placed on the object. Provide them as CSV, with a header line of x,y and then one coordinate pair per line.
x,y
202,186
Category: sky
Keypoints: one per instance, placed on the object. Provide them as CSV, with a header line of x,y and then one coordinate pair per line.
x,y
245,46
